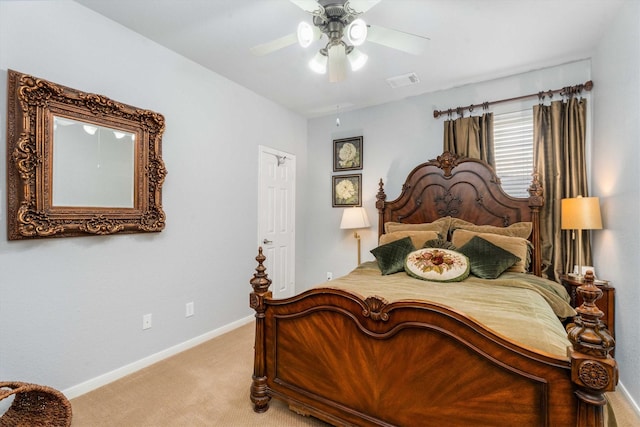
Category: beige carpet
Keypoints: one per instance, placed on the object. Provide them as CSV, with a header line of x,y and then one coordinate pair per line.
x,y
208,385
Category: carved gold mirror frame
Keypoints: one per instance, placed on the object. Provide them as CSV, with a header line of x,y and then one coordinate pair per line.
x,y
35,109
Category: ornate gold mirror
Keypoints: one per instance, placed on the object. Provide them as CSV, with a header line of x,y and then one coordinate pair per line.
x,y
80,163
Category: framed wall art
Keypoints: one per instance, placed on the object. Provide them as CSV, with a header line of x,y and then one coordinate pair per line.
x,y
346,190
347,154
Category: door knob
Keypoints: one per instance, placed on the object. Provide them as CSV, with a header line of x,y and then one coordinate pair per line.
x,y
267,242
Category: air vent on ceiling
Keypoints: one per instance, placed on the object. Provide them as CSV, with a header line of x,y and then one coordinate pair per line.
x,y
403,80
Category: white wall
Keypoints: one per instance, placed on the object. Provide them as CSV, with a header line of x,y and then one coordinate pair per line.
x,y
71,309
397,137
616,180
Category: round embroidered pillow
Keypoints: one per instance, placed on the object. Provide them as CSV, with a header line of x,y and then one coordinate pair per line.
x,y
437,265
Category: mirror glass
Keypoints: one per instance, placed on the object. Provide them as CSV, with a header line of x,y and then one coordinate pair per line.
x,y
93,165
80,164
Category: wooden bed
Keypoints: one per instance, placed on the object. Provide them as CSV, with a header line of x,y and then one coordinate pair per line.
x,y
346,360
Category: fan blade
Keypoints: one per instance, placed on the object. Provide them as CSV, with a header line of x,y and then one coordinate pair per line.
x,y
361,6
309,6
273,45
406,42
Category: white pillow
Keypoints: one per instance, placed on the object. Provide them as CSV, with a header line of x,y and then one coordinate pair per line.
x,y
437,265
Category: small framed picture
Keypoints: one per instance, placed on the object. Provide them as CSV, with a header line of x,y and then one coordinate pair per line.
x,y
347,190
347,154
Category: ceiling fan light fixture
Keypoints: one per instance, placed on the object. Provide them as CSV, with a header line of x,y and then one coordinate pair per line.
x,y
337,62
318,63
357,59
306,34
91,130
357,32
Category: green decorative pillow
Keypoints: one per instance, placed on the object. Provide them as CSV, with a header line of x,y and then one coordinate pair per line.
x,y
392,255
437,265
516,245
487,260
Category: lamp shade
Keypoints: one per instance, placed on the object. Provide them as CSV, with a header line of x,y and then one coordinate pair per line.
x,y
305,34
357,32
91,130
354,218
581,213
357,59
318,63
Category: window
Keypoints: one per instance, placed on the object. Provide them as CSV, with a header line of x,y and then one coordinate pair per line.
x,y
513,146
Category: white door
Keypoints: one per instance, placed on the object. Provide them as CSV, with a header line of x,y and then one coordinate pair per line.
x,y
276,218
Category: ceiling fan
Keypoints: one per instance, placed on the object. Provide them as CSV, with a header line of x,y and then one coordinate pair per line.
x,y
336,19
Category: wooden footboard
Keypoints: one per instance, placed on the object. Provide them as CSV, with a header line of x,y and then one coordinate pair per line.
x,y
348,361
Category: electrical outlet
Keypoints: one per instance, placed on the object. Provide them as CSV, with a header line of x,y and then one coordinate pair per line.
x,y
146,321
329,275
189,309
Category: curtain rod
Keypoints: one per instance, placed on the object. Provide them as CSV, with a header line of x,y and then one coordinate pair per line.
x,y
565,91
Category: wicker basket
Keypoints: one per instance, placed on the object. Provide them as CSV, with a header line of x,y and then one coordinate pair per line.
x,y
34,405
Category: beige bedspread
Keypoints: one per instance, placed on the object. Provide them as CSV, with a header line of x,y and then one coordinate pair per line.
x,y
521,307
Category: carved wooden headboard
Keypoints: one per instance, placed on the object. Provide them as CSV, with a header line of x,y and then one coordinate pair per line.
x,y
463,188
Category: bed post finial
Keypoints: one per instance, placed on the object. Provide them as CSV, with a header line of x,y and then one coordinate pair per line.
x,y
592,369
535,191
536,201
260,283
381,197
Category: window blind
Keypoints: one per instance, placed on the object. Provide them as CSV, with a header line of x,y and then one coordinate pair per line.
x,y
513,146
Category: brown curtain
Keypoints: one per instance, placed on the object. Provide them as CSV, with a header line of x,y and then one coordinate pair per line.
x,y
471,137
559,156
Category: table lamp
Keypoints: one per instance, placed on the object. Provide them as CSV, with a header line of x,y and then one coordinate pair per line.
x,y
354,218
580,213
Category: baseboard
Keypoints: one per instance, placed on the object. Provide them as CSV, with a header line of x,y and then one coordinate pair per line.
x,y
620,387
116,374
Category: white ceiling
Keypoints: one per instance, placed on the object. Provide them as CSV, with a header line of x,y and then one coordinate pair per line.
x,y
470,41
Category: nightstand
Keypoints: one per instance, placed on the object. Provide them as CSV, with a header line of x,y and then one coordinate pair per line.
x,y
606,303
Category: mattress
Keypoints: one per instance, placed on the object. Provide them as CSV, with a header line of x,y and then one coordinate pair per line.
x,y
520,307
